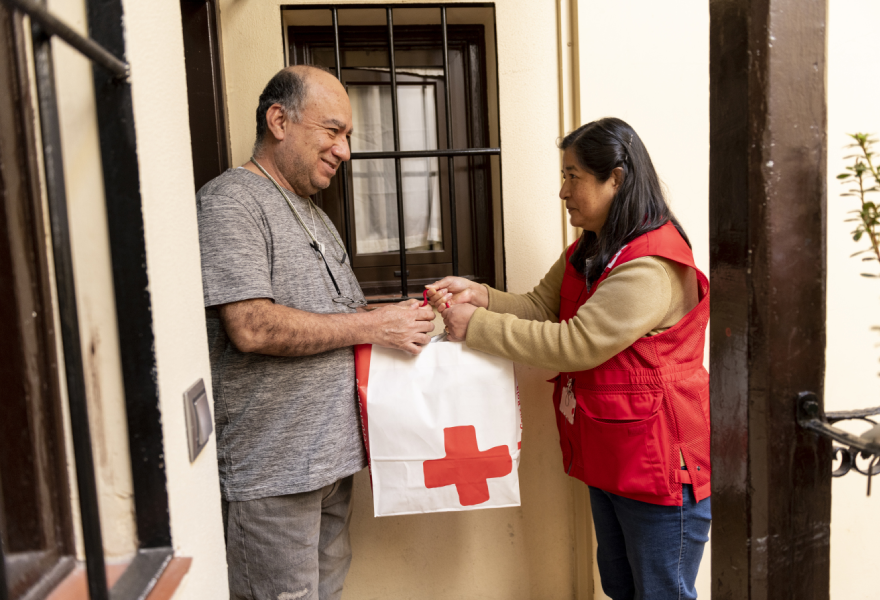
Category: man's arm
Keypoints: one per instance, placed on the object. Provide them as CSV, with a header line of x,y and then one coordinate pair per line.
x,y
261,326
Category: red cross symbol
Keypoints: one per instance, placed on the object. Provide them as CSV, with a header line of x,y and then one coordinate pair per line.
x,y
466,467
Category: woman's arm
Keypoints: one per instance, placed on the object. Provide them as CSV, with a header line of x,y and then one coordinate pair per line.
x,y
629,304
541,304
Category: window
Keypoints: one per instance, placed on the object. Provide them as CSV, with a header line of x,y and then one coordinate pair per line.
x,y
419,198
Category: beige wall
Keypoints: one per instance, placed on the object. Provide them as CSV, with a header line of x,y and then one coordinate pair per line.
x,y
851,378
504,553
94,286
648,64
155,52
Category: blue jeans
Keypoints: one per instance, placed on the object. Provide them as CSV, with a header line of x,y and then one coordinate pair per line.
x,y
647,551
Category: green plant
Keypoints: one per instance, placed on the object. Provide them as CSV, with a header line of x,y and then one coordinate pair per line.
x,y
867,176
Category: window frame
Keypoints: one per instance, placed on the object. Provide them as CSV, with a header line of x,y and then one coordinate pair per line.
x,y
449,152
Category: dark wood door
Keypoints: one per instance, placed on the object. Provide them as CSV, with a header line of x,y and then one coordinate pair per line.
x,y
204,89
771,480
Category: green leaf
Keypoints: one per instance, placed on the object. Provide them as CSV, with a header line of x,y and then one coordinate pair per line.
x,y
868,275
843,176
858,236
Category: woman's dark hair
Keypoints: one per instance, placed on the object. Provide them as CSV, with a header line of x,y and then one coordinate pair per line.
x,y
638,206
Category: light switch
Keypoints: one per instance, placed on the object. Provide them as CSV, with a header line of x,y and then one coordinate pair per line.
x,y
199,423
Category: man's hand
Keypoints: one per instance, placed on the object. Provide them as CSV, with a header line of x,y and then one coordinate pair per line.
x,y
403,326
261,326
457,318
457,290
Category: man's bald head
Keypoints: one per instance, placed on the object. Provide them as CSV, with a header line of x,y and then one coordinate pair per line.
x,y
290,89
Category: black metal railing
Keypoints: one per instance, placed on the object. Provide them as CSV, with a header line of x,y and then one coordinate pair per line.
x,y
56,196
53,26
397,154
124,209
850,447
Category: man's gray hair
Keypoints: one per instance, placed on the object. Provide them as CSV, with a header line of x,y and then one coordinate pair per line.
x,y
289,89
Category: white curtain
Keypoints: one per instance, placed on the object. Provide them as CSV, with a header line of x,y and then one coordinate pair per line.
x,y
374,181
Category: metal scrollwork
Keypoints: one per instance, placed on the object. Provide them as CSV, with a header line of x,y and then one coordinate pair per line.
x,y
846,461
849,461
856,453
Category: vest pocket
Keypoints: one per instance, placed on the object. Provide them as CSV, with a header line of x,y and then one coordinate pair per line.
x,y
623,455
630,405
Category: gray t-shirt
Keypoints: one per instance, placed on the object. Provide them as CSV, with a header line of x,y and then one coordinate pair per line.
x,y
284,425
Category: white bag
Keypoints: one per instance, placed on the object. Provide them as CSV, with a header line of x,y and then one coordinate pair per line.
x,y
443,430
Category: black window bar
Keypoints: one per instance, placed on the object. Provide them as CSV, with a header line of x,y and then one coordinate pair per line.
x,y
128,254
397,154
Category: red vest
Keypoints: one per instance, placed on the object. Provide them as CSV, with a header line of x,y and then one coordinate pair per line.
x,y
637,410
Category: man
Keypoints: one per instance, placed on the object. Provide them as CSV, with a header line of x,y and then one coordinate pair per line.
x,y
283,311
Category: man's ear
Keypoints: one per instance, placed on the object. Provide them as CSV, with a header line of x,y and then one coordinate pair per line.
x,y
617,177
275,119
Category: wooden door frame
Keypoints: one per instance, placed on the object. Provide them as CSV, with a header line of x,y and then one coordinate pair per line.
x,y
771,498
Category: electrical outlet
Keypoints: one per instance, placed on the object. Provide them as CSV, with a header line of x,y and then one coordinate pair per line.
x,y
199,423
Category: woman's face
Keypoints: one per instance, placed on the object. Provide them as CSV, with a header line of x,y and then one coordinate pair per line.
x,y
587,199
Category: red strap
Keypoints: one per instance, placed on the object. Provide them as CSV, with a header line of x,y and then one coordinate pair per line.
x,y
682,476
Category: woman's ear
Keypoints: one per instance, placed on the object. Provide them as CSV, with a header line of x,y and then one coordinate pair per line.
x,y
617,177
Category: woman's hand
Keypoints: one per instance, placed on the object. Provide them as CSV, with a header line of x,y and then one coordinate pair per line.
x,y
457,290
457,318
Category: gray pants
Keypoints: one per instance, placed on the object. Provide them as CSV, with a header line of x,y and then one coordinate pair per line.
x,y
293,547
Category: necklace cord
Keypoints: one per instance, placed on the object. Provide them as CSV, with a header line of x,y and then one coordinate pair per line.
x,y
299,218
316,245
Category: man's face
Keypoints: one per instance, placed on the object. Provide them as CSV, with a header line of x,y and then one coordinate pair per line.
x,y
313,149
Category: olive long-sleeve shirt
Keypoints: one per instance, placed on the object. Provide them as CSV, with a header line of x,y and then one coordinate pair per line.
x,y
642,297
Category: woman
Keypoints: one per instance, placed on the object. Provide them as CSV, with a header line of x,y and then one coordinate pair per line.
x,y
622,314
